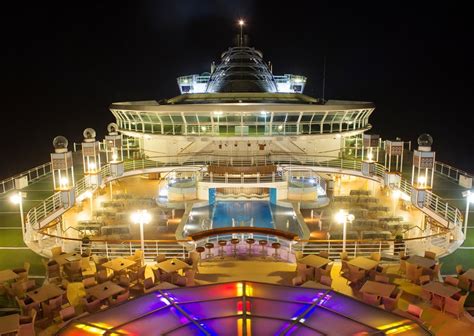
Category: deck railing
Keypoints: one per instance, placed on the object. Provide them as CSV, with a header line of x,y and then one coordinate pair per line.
x,y
450,171
450,214
32,174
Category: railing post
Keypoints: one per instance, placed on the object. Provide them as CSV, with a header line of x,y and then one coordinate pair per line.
x,y
131,251
106,249
380,247
289,250
355,249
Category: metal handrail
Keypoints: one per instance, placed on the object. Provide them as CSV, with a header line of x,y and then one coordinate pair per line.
x,y
33,174
433,202
447,170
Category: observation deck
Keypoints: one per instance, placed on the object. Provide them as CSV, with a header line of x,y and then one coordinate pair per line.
x,y
242,114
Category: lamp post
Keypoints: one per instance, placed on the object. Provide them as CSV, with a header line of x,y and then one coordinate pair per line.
x,y
342,217
241,24
141,217
469,199
90,195
395,197
422,181
17,198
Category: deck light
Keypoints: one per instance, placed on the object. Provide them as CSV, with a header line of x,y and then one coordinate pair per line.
x,y
90,195
396,194
17,198
422,181
92,166
342,217
63,182
141,217
469,199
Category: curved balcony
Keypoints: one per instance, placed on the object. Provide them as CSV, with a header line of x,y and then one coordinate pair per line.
x,y
40,220
258,120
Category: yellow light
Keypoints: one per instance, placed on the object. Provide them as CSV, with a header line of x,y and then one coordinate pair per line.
x,y
396,194
114,157
248,290
141,217
340,217
63,182
90,329
239,287
15,199
249,326
92,166
370,156
421,180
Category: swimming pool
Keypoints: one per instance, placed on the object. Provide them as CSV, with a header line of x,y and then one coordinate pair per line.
x,y
242,213
257,213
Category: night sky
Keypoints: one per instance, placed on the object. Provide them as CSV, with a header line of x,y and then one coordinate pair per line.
x,y
63,66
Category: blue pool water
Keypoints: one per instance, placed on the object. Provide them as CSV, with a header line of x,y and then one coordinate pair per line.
x,y
242,212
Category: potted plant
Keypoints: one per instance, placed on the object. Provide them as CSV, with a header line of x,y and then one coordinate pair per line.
x,y
85,240
399,244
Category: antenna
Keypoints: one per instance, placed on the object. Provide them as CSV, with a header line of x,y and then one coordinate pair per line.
x,y
241,24
324,75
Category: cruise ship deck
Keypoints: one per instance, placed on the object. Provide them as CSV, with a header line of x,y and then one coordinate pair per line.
x,y
240,206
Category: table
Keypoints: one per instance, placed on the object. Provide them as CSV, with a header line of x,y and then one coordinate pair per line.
x,y
378,288
67,257
314,284
421,261
104,290
314,261
172,265
441,289
165,285
45,293
364,263
9,324
119,264
7,275
469,274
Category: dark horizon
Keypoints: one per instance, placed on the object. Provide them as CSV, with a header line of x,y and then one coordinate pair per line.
x,y
63,66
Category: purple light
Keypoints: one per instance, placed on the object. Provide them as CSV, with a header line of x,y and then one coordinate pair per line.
x,y
165,301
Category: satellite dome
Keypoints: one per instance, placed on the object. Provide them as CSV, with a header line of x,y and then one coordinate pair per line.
x,y
89,133
60,142
112,127
425,140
